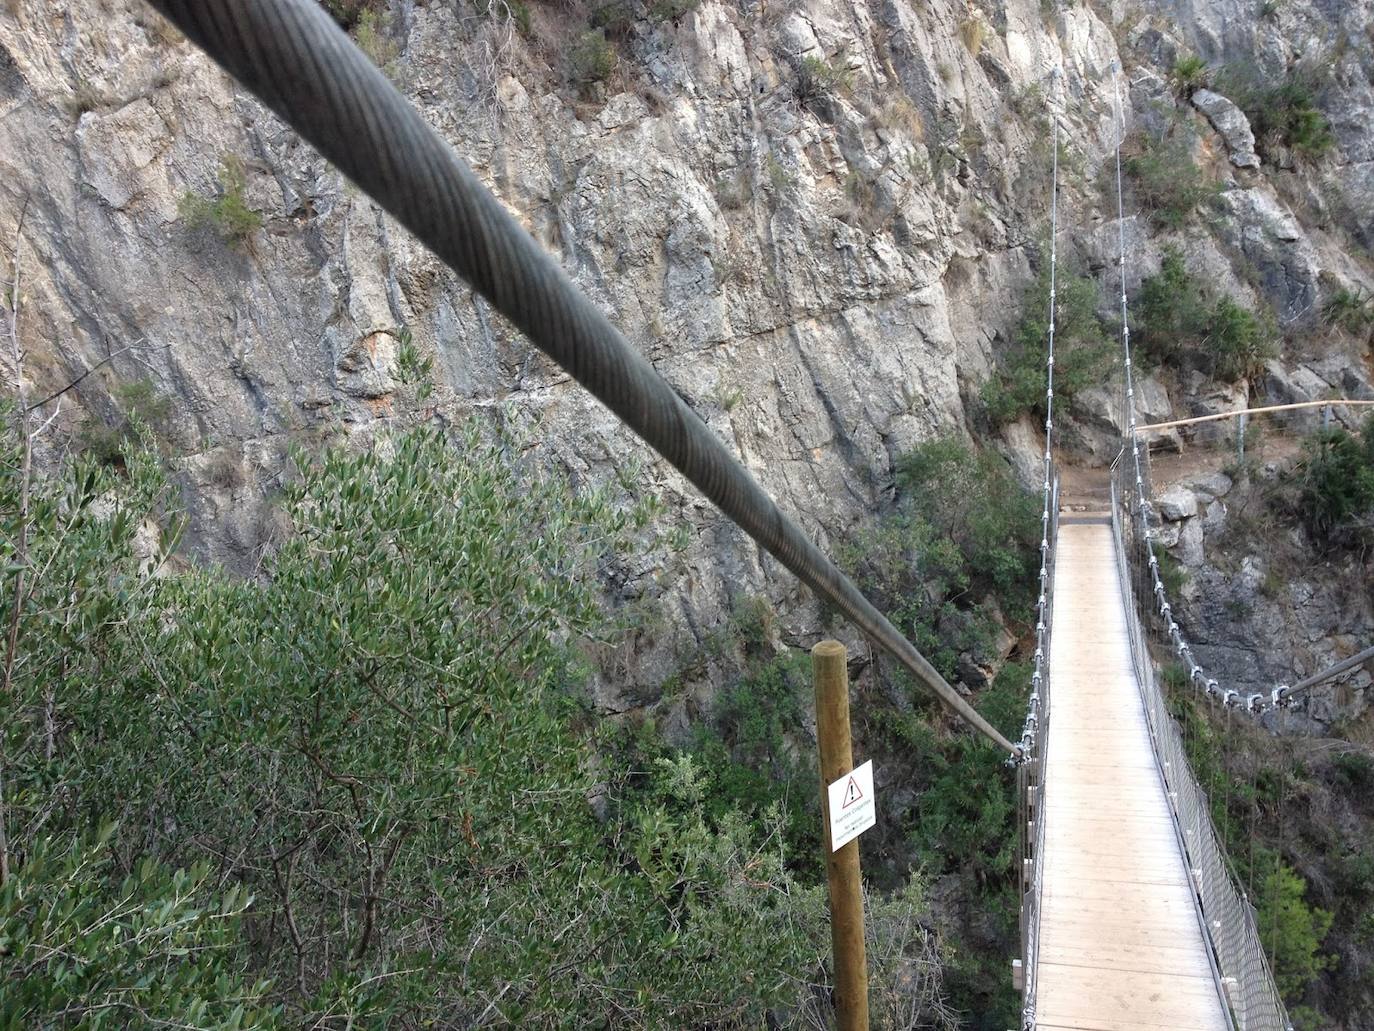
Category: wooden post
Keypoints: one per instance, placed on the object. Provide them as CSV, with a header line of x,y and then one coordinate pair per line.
x,y
841,866
1240,438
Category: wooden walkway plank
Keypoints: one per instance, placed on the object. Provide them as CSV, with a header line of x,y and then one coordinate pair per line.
x,y
1120,946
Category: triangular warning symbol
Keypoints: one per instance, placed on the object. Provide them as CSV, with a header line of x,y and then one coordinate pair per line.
x,y
851,793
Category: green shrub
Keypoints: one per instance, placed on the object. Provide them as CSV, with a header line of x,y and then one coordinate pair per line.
x,y
671,10
140,409
1350,310
1170,313
819,80
1284,115
1177,325
373,35
86,945
973,31
592,59
1291,930
228,214
1239,341
1169,186
1336,480
380,739
1082,350
1189,75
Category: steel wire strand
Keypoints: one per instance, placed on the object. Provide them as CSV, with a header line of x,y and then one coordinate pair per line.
x,y
1030,782
293,56
1243,978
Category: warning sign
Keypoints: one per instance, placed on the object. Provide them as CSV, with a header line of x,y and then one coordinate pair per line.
x,y
851,805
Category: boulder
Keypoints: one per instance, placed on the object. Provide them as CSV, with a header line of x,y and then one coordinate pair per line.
x,y
1230,122
1176,503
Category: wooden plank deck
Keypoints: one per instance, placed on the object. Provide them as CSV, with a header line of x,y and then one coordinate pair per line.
x,y
1120,946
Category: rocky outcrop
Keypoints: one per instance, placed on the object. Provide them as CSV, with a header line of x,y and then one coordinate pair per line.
x,y
827,270
1231,123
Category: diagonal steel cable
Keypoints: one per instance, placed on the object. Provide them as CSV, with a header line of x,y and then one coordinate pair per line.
x,y
293,56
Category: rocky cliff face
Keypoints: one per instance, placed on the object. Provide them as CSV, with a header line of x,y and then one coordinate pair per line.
x,y
816,219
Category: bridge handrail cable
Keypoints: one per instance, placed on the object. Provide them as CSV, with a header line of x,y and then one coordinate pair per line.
x,y
1031,750
1227,919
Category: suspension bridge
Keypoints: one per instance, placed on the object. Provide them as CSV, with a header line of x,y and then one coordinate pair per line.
x,y
1130,915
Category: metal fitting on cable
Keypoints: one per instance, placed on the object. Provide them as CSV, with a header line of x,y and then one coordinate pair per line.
x,y
1255,703
1195,674
1279,698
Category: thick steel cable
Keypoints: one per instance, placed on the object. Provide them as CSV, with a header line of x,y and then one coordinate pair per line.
x,y
1286,693
306,69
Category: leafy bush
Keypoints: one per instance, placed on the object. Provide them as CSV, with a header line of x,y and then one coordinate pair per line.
x,y
819,80
1170,312
1239,341
381,741
1284,115
1189,75
1350,310
973,31
85,946
228,214
140,408
1336,481
592,58
1168,183
1291,931
1177,325
373,34
1082,350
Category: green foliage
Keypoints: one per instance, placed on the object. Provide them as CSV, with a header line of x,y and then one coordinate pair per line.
x,y
973,31
1350,310
140,408
1336,481
1292,931
1290,115
818,80
84,946
1082,352
373,35
972,500
348,12
1284,115
1170,312
592,59
671,10
228,213
380,741
1189,75
1168,183
1239,341
1178,325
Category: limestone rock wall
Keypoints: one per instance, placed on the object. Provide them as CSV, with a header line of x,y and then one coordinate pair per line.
x,y
826,274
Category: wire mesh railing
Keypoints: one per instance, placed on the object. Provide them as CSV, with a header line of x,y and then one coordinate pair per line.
x,y
1030,750
1228,919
